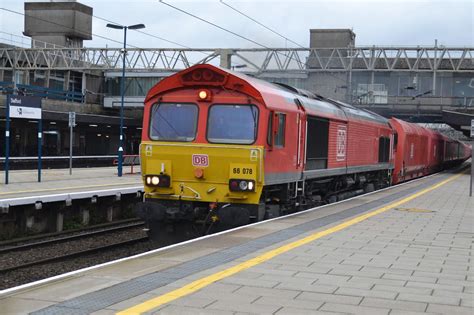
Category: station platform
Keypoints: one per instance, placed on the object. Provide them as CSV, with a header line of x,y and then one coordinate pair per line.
x,y
402,250
58,185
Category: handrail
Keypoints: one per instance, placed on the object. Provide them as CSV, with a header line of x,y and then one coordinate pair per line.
x,y
26,158
26,89
129,160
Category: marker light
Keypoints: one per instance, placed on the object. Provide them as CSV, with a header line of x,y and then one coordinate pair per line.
x,y
241,185
250,186
155,180
200,76
203,94
234,185
158,180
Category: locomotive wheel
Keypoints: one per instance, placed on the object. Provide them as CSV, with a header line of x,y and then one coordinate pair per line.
x,y
150,211
332,199
233,216
369,188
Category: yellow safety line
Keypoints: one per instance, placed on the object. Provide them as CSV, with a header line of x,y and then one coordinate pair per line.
x,y
59,188
203,282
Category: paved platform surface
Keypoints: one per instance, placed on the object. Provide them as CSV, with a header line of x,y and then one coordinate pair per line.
x,y
404,250
24,183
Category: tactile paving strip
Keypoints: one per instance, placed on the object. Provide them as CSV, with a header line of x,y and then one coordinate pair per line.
x,y
101,299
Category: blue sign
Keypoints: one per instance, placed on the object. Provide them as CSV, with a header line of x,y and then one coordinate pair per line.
x,y
28,107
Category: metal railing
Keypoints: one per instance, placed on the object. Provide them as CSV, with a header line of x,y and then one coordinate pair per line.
x,y
34,90
399,100
78,157
130,160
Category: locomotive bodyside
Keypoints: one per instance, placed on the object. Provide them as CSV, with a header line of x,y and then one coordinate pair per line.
x,y
229,147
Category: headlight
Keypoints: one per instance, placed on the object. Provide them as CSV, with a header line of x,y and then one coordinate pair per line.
x,y
158,180
241,185
250,185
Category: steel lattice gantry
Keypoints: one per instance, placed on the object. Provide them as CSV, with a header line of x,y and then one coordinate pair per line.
x,y
412,59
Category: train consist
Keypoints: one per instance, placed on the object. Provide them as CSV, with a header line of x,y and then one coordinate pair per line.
x,y
222,148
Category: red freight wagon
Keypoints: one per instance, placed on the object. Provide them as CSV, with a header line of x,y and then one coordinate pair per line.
x,y
435,151
412,150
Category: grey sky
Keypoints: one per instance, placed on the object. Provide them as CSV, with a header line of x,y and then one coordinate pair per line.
x,y
382,23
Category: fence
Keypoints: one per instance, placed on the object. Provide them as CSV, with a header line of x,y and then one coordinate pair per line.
x,y
130,160
33,90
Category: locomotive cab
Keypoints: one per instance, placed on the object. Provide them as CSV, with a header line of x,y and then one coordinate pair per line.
x,y
202,151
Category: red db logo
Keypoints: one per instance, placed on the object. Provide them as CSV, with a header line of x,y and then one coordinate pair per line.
x,y
201,160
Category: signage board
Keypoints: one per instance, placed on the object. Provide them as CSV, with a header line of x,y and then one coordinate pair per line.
x,y
28,107
72,119
472,128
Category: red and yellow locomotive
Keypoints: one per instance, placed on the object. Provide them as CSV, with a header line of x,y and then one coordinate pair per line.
x,y
219,146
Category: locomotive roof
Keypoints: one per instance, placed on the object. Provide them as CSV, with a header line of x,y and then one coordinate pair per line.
x,y
313,103
276,96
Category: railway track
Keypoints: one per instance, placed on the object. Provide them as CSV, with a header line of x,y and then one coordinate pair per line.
x,y
12,244
23,263
48,239
73,255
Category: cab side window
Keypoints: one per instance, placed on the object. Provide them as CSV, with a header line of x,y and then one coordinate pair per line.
x,y
280,135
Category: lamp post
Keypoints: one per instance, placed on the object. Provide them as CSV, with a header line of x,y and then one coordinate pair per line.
x,y
122,86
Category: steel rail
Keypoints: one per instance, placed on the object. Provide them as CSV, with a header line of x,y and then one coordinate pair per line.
x,y
72,255
114,228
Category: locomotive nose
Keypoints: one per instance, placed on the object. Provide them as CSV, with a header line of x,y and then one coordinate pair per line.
x,y
204,173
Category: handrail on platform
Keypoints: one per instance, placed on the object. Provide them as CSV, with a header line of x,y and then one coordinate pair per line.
x,y
129,160
34,90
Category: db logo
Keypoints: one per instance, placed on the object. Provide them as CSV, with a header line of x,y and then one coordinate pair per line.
x,y
200,160
341,143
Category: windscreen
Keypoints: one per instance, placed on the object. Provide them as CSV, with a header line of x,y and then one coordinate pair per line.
x,y
173,122
232,124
